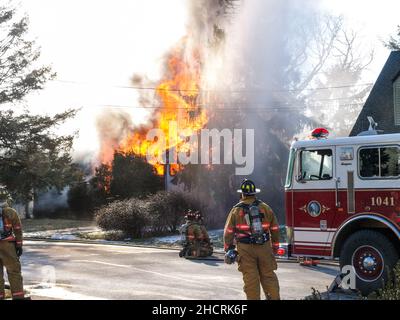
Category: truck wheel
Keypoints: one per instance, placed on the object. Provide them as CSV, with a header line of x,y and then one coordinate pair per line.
x,y
371,254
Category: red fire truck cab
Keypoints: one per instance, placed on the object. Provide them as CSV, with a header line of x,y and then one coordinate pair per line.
x,y
343,202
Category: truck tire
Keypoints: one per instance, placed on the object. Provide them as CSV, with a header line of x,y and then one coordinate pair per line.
x,y
371,254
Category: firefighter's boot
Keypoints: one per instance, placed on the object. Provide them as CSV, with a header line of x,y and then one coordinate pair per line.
x,y
10,260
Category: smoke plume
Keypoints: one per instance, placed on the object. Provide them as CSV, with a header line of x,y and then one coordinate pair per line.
x,y
258,60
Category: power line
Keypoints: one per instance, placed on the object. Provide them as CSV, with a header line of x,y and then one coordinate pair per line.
x,y
217,90
229,109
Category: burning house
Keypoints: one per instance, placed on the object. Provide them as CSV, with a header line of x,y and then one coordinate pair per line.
x,y
178,102
177,116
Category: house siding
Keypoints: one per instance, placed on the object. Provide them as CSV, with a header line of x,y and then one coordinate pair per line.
x,y
396,99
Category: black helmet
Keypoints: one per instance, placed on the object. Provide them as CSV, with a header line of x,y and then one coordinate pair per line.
x,y
193,215
248,188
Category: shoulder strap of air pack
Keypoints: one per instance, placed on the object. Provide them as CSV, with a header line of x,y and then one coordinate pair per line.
x,y
247,206
242,205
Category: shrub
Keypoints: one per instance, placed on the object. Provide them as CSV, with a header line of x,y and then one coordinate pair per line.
x,y
130,216
391,290
132,176
158,214
168,208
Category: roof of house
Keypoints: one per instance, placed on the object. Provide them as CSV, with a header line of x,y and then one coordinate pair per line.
x,y
379,104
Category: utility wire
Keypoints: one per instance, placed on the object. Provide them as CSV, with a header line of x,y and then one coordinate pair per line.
x,y
226,109
218,90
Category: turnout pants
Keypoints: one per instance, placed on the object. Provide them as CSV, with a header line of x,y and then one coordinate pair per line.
x,y
10,261
257,264
200,249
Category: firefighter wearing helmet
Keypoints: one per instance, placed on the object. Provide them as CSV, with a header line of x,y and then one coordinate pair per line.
x,y
251,236
10,247
196,242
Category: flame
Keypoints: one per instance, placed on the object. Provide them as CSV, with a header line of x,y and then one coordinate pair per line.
x,y
179,97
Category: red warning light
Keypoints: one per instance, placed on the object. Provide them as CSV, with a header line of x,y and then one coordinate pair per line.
x,y
281,252
320,133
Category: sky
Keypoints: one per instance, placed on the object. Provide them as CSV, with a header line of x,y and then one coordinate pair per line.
x,y
375,20
96,46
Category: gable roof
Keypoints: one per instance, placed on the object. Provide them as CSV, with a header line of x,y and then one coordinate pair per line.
x,y
380,103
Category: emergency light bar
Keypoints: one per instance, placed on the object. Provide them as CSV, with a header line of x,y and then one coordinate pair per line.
x,y
319,133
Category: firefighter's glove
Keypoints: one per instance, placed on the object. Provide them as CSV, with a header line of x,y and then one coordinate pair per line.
x,y
231,256
275,249
19,251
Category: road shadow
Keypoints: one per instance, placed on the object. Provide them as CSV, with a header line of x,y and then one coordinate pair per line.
x,y
213,262
331,271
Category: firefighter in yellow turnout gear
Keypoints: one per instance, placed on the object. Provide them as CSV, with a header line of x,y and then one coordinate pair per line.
x,y
10,247
251,236
196,242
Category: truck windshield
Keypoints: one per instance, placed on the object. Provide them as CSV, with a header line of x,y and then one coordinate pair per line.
x,y
289,174
316,164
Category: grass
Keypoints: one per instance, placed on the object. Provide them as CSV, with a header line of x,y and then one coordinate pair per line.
x,y
36,225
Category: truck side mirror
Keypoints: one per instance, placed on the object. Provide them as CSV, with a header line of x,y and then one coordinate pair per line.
x,y
300,179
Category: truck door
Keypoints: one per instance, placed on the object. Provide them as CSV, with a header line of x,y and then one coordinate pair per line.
x,y
314,201
346,168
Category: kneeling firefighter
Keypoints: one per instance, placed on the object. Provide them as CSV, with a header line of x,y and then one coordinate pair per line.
x,y
253,227
10,247
196,242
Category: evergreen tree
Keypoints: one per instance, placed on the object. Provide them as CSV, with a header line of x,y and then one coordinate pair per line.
x,y
33,158
394,42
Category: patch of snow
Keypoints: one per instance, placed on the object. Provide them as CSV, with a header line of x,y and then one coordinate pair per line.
x,y
74,234
167,239
63,234
59,236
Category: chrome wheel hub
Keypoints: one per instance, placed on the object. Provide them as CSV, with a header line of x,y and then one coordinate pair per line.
x,y
369,263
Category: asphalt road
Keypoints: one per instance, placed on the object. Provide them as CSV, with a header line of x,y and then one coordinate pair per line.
x,y
92,271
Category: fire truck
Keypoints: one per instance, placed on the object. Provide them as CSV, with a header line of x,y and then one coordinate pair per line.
x,y
343,202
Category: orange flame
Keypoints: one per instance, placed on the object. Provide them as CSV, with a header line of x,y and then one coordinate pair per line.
x,y
179,98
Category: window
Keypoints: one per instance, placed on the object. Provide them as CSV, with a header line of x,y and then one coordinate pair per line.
x,y
316,165
289,174
396,90
379,162
346,153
